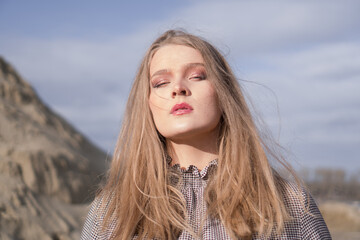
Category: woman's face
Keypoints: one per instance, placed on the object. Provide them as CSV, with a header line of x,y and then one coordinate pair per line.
x,y
182,100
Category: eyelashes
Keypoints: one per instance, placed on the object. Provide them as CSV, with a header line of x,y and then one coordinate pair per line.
x,y
160,82
201,76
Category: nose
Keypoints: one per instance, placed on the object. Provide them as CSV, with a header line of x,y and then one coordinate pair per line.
x,y
180,89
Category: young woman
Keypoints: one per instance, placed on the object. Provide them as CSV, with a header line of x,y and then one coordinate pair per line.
x,y
189,162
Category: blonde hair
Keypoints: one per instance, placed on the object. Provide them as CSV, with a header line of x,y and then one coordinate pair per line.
x,y
244,192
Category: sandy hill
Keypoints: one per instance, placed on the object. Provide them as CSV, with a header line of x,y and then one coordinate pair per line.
x,y
47,168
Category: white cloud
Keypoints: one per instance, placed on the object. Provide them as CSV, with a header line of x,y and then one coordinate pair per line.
x,y
317,91
250,27
307,52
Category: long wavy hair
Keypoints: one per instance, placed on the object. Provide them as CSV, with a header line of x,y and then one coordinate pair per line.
x,y
244,192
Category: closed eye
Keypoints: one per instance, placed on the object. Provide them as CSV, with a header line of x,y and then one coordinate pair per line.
x,y
198,77
160,84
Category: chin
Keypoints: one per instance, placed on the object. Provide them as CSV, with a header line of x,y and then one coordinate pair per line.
x,y
187,134
177,135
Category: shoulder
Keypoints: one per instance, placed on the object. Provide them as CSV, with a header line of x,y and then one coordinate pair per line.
x,y
93,226
306,218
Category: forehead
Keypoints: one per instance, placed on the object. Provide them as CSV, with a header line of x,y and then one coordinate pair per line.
x,y
173,57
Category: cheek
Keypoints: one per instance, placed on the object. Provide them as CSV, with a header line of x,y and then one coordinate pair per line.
x,y
207,96
157,110
158,117
156,99
211,101
153,108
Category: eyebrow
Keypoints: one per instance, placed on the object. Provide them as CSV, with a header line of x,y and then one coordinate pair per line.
x,y
160,72
190,65
186,67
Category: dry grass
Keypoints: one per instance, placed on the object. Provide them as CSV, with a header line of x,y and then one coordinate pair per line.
x,y
342,219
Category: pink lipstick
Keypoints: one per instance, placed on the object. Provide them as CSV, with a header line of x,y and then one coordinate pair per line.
x,y
181,108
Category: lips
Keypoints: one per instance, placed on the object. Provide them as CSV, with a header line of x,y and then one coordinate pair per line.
x,y
180,109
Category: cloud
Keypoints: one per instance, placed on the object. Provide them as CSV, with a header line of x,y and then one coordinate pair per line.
x,y
255,27
306,53
316,90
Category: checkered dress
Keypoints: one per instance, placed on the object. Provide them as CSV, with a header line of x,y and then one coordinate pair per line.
x,y
305,224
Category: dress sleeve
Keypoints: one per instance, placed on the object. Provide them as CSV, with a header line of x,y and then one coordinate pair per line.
x,y
313,225
92,225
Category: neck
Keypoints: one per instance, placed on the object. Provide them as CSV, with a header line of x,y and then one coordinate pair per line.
x,y
197,151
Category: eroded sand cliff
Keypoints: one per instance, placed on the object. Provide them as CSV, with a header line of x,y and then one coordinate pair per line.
x,y
48,170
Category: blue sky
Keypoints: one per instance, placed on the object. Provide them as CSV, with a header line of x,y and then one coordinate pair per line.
x,y
298,61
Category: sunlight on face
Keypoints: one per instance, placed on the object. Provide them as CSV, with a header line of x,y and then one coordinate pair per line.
x,y
182,100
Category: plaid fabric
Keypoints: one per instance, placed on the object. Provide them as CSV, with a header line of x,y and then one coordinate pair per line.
x,y
306,224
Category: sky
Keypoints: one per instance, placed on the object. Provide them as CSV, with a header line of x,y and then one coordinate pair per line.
x,y
297,61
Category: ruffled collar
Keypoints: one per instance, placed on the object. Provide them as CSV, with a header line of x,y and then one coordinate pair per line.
x,y
193,170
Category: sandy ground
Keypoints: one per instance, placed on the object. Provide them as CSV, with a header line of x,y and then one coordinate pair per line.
x,y
345,235
343,219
